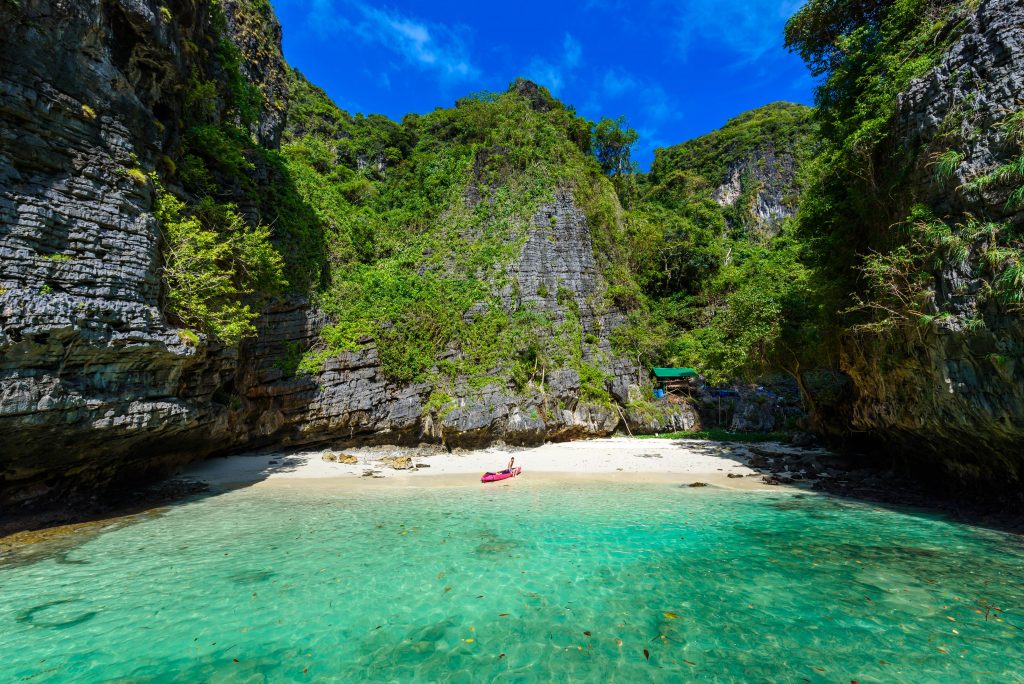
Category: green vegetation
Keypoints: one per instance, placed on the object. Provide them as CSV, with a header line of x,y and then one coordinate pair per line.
x,y
404,233
867,54
218,266
716,293
189,337
422,220
212,261
137,175
779,127
612,146
860,235
88,112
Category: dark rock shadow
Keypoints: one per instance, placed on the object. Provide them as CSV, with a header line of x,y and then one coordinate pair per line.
x,y
865,479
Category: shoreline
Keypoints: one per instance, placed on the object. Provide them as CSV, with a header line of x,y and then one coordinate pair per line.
x,y
612,459
735,466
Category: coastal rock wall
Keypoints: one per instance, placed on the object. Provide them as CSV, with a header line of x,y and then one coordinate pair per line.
x,y
352,399
96,386
952,393
88,366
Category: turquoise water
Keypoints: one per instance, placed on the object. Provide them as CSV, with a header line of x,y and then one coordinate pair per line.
x,y
525,582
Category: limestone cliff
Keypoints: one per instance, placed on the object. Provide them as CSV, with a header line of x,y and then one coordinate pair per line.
x,y
93,381
946,387
98,386
750,166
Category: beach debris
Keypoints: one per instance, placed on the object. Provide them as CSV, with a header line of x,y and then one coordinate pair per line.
x,y
618,642
586,633
647,654
440,575
447,589
468,641
502,614
500,656
697,484
671,616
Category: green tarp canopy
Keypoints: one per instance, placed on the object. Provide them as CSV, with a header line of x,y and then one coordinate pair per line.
x,y
672,373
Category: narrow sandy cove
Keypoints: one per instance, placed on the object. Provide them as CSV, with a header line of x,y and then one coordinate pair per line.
x,y
611,459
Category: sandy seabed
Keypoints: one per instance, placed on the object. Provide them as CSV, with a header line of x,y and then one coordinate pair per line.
x,y
615,458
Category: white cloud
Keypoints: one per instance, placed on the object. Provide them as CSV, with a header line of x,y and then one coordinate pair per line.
x,y
617,81
749,29
552,74
572,52
428,46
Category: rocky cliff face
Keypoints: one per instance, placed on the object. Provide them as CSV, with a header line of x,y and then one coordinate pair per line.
x,y
760,188
96,386
750,166
353,399
950,392
92,379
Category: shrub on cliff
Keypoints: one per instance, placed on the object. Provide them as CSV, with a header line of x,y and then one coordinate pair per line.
x,y
213,264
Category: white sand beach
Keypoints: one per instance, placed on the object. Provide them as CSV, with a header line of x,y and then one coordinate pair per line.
x,y
616,458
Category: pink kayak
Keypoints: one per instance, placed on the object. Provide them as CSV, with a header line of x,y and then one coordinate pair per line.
x,y
503,475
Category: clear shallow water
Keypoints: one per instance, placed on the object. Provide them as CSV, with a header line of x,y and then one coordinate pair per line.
x,y
526,582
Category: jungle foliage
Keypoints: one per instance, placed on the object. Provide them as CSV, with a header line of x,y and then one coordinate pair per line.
x,y
424,218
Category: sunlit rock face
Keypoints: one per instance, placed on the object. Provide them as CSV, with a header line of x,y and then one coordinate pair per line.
x,y
765,181
351,398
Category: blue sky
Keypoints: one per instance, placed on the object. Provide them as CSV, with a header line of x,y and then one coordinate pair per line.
x,y
675,69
